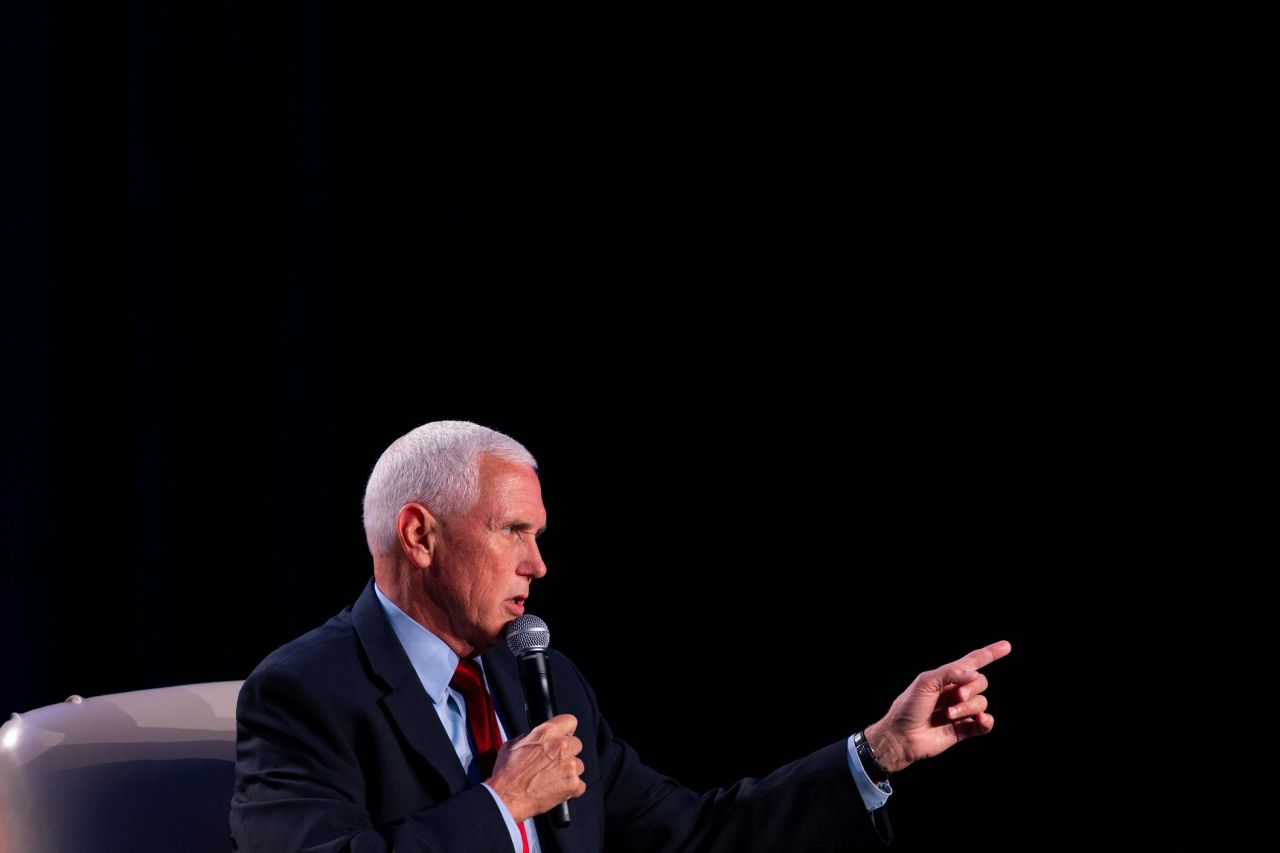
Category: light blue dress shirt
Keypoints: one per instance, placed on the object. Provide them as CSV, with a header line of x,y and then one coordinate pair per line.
x,y
435,664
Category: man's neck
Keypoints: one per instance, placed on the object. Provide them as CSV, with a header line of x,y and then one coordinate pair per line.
x,y
397,587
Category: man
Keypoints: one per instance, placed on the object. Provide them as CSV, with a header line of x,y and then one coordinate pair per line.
x,y
399,724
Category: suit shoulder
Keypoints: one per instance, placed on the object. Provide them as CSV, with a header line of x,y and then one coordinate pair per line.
x,y
560,659
318,655
561,666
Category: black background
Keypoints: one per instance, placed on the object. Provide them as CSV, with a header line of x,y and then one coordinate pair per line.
x,y
853,344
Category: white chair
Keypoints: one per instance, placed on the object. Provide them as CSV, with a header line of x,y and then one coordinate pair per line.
x,y
150,770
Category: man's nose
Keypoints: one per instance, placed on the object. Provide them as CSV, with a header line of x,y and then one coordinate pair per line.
x,y
533,565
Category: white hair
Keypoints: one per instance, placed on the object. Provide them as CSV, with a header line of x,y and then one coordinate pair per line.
x,y
436,465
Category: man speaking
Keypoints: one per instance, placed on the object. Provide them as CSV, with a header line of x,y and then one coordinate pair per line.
x,y
400,724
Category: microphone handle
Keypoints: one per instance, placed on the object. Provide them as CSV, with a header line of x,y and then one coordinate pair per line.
x,y
535,679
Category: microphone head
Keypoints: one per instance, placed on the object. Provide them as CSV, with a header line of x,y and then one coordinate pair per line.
x,y
527,633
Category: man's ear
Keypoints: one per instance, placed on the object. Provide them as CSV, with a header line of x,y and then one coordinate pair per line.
x,y
419,534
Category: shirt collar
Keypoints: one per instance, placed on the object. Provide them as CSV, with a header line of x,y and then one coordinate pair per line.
x,y
432,659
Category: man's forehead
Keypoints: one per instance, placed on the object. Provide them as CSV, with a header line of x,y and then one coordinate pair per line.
x,y
511,489
496,468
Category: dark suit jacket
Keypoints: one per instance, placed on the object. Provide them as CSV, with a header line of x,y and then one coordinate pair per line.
x,y
339,748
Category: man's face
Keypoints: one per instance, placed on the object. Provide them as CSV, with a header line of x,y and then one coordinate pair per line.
x,y
486,558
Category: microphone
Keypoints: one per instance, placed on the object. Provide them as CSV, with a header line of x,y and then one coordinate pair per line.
x,y
528,638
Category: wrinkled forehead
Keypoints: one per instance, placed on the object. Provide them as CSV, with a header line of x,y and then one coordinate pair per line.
x,y
509,486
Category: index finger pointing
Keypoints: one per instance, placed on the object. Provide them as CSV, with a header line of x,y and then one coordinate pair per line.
x,y
981,657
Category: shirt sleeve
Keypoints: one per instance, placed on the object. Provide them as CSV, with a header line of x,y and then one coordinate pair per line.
x,y
873,796
512,827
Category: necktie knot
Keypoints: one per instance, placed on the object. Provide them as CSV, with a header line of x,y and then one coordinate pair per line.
x,y
467,677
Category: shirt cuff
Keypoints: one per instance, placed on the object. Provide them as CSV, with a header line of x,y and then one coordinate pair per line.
x,y
512,827
873,796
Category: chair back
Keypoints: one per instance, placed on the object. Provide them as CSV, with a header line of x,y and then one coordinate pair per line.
x,y
150,770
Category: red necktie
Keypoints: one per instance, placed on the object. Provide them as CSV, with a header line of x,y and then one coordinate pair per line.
x,y
482,721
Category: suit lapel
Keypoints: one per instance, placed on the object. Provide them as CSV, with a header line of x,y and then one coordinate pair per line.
x,y
406,701
504,684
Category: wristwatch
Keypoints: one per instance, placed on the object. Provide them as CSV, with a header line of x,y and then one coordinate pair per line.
x,y
875,770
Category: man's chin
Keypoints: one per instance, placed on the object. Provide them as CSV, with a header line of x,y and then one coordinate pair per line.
x,y
499,638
